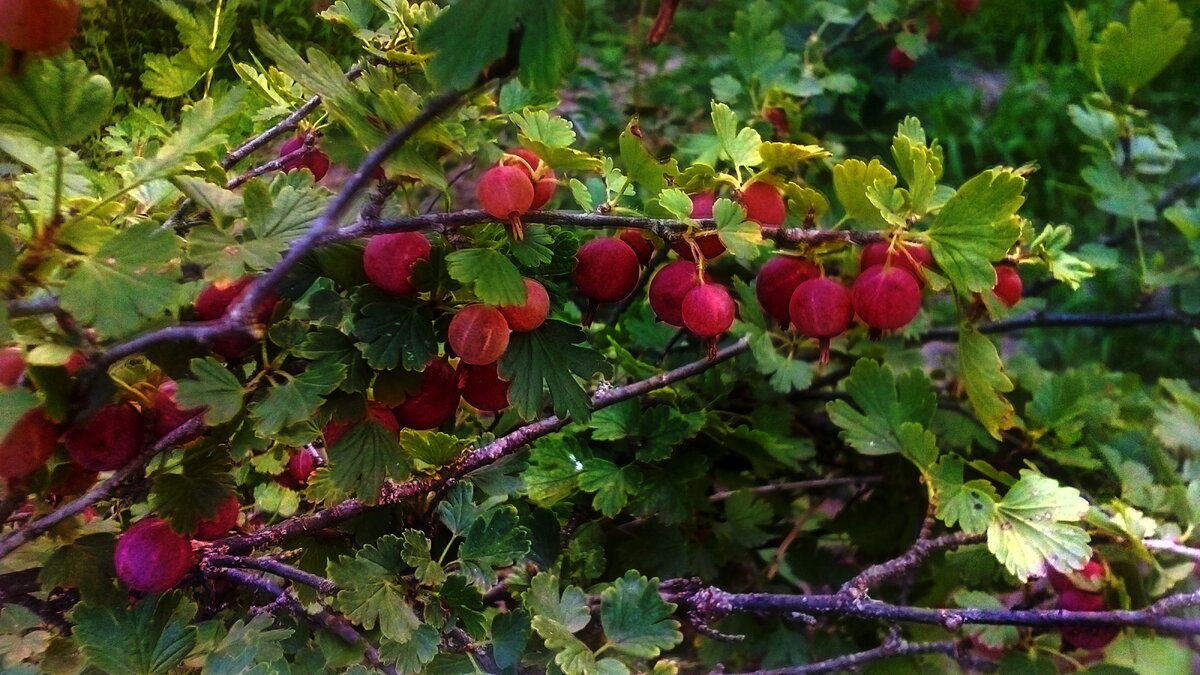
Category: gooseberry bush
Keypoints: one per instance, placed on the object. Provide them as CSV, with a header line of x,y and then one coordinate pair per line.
x,y
586,337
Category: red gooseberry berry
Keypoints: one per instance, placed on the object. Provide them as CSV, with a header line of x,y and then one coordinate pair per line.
x,y
1008,288
151,557
764,204
670,284
220,522
606,270
910,257
216,298
38,25
166,413
12,366
108,440
506,192
821,308
304,462
967,7
532,313
28,444
436,399
899,61
71,480
708,311
1088,578
540,174
886,298
777,281
479,334
709,244
1089,638
313,159
482,387
640,243
388,260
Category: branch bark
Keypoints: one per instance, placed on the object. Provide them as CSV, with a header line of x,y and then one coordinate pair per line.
x,y
1041,320
848,661
271,567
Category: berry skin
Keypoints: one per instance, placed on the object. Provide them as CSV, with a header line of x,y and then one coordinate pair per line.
x,y
38,25
709,244
505,192
478,334
388,260
216,525
779,120
378,412
886,298
12,366
900,62
74,480
606,270
1088,638
304,462
166,412
107,441
763,203
821,308
150,557
917,257
967,7
482,387
314,160
28,445
640,243
532,314
1090,578
435,402
540,174
216,298
777,281
1008,285
708,311
668,288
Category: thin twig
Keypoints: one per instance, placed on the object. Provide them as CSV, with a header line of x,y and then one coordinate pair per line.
x,y
275,567
1040,320
1172,547
1176,192
798,486
921,549
849,661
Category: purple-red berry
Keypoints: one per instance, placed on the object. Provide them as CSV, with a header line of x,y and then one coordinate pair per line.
x,y
764,204
109,440
482,387
670,284
313,159
821,308
151,557
388,260
38,25
532,314
886,297
777,281
436,400
479,334
1008,288
220,522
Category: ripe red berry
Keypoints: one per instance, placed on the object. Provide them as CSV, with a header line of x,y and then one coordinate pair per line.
x,y
708,310
378,412
305,461
72,480
216,298
482,387
12,366
670,284
1075,600
313,159
1090,578
886,298
606,270
532,314
220,522
779,120
435,402
107,441
764,204
38,25
777,281
166,412
967,7
151,557
505,192
1008,285
1090,638
640,243
540,174
821,308
388,260
709,244
478,334
28,445
912,258
899,61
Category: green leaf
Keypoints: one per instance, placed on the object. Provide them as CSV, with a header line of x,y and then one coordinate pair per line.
x,y
550,357
851,180
204,481
154,636
213,386
431,448
459,56
637,621
745,517
14,403
495,539
776,155
297,399
132,279
246,644
494,278
199,132
976,227
788,372
365,455
740,236
992,636
678,203
612,484
554,467
396,334
86,564
1051,246
642,168
416,552
570,653
738,146
414,654
371,589
457,511
986,383
1119,194
1130,56
886,404
510,634
919,165
569,609
466,604
56,102
971,504
1037,524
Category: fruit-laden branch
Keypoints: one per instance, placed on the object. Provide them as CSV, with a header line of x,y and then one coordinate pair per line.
x,y
712,603
396,492
663,227
323,618
1040,320
849,661
101,491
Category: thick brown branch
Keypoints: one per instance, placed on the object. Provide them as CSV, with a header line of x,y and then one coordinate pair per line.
x,y
501,447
